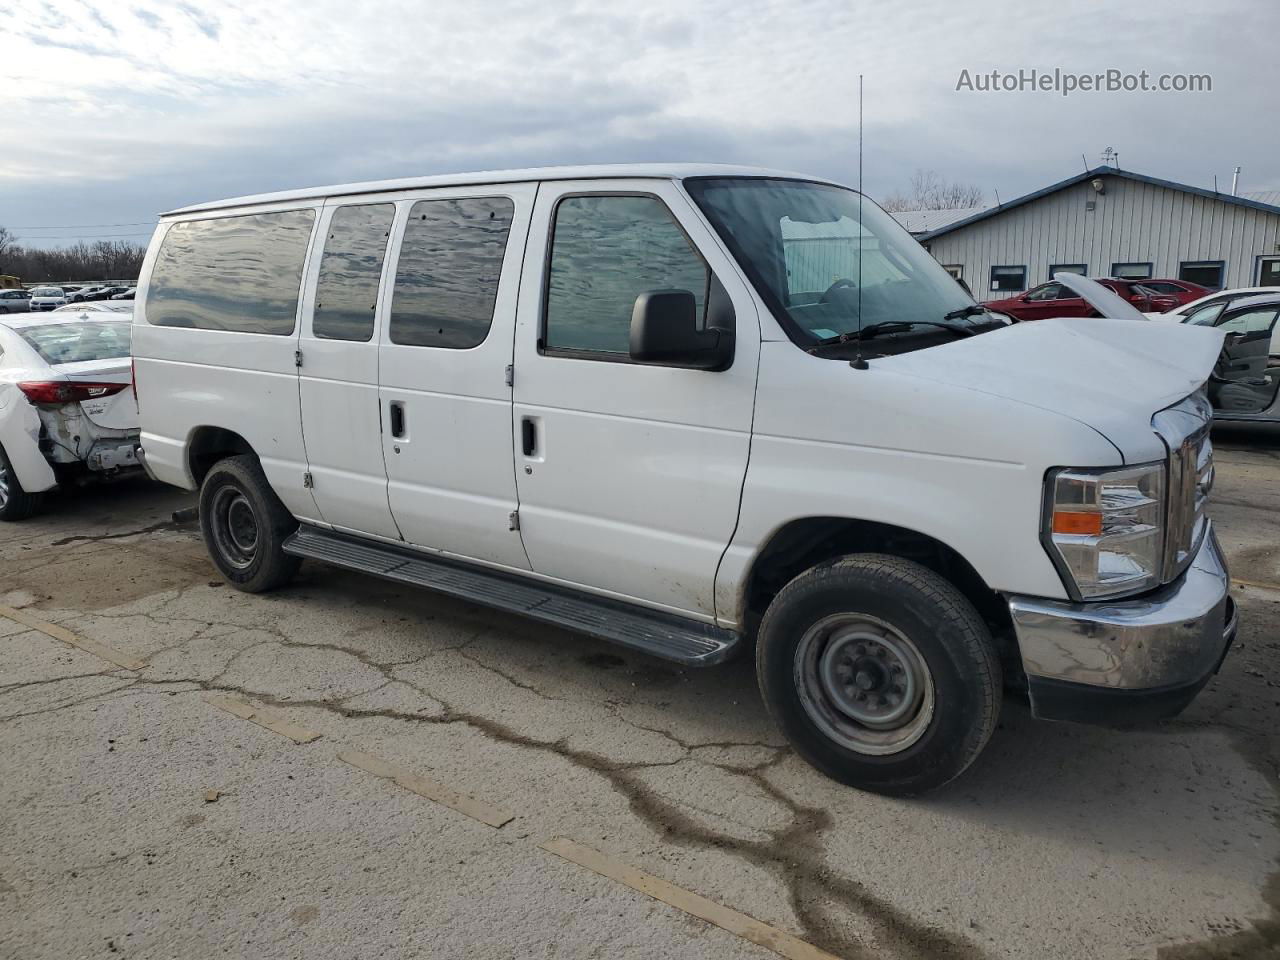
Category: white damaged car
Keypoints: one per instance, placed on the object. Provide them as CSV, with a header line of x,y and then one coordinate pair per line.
x,y
67,409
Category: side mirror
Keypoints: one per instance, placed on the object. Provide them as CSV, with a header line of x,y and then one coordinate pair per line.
x,y
664,329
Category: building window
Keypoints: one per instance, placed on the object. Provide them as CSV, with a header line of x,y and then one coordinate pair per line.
x,y
1131,271
955,269
1207,273
1008,278
1081,269
447,277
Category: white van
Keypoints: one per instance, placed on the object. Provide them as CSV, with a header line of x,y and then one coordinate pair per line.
x,y
692,410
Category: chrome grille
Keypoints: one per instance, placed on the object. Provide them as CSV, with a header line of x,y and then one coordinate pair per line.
x,y
1184,428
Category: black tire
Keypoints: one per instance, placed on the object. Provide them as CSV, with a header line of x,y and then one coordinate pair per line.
x,y
15,503
245,525
848,639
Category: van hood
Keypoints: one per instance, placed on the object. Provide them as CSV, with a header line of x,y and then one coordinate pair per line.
x,y
1111,375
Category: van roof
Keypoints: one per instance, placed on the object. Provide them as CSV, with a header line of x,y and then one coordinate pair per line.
x,y
664,171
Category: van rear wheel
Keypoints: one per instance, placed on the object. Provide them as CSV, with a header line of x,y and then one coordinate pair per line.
x,y
880,673
245,525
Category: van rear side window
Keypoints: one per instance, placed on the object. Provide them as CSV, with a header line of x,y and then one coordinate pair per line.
x,y
240,274
447,277
347,290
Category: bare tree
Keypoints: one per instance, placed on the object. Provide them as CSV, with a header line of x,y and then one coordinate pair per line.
x,y
101,260
929,191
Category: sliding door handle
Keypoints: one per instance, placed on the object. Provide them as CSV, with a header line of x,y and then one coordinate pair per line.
x,y
395,413
528,436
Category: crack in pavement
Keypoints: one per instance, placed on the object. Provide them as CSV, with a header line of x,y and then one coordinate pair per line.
x,y
793,853
98,538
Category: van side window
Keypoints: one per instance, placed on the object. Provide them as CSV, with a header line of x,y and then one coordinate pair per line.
x,y
605,252
447,277
347,289
231,273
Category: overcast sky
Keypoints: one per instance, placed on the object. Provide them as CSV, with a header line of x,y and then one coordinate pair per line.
x,y
115,110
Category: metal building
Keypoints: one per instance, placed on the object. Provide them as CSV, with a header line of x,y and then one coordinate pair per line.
x,y
1114,223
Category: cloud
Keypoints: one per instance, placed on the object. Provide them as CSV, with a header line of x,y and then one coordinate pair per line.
x,y
169,103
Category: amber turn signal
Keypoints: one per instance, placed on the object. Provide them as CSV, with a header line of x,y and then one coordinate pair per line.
x,y
1084,524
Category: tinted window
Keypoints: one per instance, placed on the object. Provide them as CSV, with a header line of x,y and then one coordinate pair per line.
x,y
605,252
232,273
447,277
1159,286
77,342
347,289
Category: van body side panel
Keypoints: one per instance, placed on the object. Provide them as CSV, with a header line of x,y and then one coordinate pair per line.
x,y
247,383
845,446
634,480
451,482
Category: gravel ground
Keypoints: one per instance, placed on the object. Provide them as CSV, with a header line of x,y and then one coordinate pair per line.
x,y
1062,841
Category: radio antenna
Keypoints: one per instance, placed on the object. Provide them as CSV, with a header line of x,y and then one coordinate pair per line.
x,y
859,362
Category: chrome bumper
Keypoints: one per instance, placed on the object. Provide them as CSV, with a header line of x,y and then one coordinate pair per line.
x,y
1128,659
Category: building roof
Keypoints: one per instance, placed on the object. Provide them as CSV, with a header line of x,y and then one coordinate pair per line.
x,y
1103,171
612,171
1269,197
926,221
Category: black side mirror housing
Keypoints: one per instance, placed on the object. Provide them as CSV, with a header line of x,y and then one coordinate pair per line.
x,y
664,330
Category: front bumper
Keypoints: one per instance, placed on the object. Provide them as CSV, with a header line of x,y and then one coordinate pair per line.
x,y
1128,661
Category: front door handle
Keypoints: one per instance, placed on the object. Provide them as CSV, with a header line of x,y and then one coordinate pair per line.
x,y
395,412
528,437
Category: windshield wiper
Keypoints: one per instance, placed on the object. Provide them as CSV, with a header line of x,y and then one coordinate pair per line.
x,y
891,326
972,310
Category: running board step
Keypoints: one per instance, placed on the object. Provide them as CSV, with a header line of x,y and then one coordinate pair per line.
x,y
688,642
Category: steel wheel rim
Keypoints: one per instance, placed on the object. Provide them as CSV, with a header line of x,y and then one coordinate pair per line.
x,y
4,483
864,684
235,527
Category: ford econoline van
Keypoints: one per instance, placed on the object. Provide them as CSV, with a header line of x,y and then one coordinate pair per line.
x,y
698,410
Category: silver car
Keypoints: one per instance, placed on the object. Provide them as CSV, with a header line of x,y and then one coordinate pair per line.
x,y
47,298
15,301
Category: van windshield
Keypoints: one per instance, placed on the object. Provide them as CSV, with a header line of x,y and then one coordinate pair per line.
x,y
825,267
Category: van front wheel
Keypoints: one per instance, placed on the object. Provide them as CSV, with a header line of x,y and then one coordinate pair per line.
x,y
245,525
880,673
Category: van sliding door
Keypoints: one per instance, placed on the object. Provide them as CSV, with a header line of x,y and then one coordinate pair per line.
x,y
444,390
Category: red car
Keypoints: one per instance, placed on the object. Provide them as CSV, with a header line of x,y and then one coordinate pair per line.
x,y
1052,299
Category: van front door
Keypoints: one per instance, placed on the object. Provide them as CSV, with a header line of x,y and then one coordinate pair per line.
x,y
444,386
338,372
629,473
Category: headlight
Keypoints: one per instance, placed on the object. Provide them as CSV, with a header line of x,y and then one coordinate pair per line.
x,y
1105,528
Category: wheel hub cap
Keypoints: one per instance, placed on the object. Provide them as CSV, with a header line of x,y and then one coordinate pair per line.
x,y
864,683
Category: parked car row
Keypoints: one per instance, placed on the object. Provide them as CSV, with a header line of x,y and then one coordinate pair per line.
x,y
41,298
